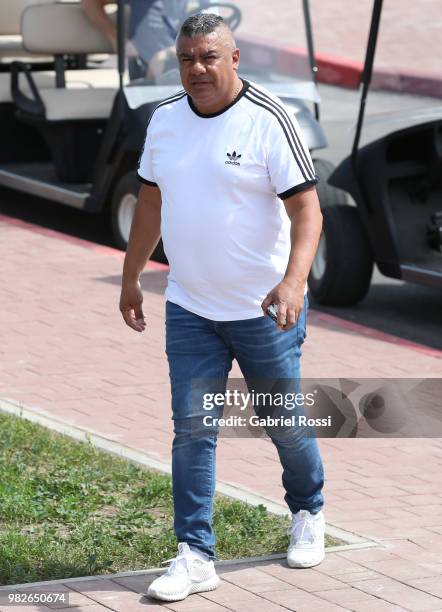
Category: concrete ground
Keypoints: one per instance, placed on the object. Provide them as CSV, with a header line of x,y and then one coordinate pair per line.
x,y
66,355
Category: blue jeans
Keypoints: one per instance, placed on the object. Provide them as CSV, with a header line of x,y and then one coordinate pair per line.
x,y
198,349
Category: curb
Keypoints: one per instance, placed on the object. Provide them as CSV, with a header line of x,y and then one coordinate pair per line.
x,y
318,317
335,70
41,417
160,570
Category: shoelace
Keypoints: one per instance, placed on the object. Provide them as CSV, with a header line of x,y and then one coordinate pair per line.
x,y
174,562
304,523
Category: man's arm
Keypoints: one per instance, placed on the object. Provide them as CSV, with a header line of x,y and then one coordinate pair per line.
x,y
94,9
306,223
144,237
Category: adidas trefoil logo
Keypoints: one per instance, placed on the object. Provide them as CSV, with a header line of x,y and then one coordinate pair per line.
x,y
233,159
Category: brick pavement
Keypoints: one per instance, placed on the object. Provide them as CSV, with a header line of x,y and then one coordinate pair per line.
x,y
65,352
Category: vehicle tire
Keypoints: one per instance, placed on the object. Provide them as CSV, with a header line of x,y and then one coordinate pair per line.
x,y
328,195
122,212
343,264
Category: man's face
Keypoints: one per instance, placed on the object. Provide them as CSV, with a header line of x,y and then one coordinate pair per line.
x,y
208,67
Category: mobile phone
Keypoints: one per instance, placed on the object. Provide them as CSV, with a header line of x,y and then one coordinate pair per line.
x,y
272,311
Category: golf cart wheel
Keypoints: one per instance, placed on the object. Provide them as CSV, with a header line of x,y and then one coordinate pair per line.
x,y
122,212
328,195
343,264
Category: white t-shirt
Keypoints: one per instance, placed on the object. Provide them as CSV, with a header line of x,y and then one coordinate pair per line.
x,y
222,178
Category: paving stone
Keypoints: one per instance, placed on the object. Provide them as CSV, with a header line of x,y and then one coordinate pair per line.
x,y
110,594
254,580
74,598
399,594
30,608
307,579
92,608
432,585
196,603
351,577
301,601
368,554
402,569
345,597
336,565
236,598
137,583
375,605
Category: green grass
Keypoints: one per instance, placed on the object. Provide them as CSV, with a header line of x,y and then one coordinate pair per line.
x,y
68,509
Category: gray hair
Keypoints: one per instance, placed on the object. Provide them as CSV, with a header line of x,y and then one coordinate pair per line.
x,y
202,24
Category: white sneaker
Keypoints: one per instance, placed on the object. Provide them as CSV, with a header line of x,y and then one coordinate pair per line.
x,y
188,573
306,532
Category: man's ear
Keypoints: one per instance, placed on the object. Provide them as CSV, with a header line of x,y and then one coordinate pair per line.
x,y
235,59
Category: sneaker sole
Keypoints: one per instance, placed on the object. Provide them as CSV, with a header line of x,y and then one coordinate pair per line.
x,y
196,587
297,564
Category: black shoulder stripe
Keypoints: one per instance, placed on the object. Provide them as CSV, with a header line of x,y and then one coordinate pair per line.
x,y
281,111
283,118
178,96
263,96
289,139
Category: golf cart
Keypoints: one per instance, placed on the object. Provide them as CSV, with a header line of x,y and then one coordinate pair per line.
x,y
394,177
76,127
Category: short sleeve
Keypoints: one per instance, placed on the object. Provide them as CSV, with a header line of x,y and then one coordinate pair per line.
x,y
289,163
144,171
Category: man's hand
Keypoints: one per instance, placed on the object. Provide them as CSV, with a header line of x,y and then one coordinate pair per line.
x,y
131,301
290,301
306,221
144,236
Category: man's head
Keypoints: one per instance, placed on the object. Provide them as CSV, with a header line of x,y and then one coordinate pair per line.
x,y
208,59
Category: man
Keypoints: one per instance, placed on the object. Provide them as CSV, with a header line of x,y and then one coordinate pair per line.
x,y
225,171
152,32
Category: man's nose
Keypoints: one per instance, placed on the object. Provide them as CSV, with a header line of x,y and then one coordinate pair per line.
x,y
198,68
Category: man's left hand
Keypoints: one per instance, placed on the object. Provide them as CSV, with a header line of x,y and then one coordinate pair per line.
x,y
289,298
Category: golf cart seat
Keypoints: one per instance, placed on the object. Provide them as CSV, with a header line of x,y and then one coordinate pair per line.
x,y
12,48
11,40
72,115
106,78
59,29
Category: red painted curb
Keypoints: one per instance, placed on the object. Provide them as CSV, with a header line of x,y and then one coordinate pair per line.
x,y
334,70
337,71
321,317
